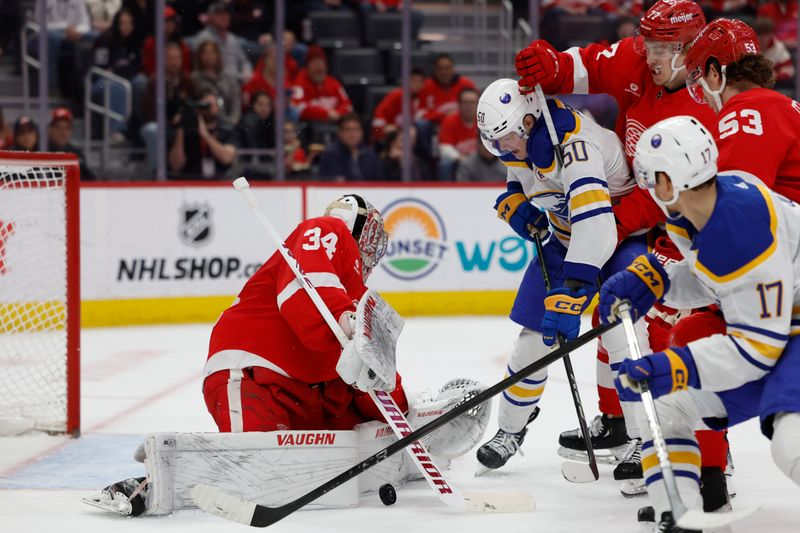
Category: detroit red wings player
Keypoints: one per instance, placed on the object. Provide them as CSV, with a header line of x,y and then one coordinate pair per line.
x,y
272,359
758,129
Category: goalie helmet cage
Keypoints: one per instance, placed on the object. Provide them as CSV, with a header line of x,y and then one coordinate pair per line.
x,y
39,293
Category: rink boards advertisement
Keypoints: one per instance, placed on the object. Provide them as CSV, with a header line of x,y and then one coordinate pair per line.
x,y
182,252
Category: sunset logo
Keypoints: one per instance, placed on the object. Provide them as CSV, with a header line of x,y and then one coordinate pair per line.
x,y
417,239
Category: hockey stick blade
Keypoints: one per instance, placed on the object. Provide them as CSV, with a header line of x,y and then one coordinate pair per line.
x,y
509,502
262,516
697,519
577,472
498,502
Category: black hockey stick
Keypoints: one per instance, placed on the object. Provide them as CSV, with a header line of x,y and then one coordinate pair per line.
x,y
213,500
573,383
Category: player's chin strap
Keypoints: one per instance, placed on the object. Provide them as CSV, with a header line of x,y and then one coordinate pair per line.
x,y
675,68
716,95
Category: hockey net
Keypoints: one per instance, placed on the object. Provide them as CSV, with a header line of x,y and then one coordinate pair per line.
x,y
39,293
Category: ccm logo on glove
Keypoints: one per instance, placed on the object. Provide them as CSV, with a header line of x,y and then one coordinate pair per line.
x,y
642,267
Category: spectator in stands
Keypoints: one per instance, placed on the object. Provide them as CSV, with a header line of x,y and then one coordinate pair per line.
x,y
457,134
59,139
209,72
67,23
144,13
392,157
774,50
626,27
26,135
173,34
297,162
257,127
118,51
257,131
784,15
349,159
6,135
482,165
316,96
440,92
10,24
234,60
205,145
265,74
192,13
179,92
388,114
102,12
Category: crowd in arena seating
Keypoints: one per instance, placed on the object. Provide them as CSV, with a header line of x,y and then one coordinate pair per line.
x,y
221,76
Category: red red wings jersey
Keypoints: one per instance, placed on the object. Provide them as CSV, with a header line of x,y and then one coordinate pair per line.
x,y
274,324
313,101
390,111
618,70
759,133
438,100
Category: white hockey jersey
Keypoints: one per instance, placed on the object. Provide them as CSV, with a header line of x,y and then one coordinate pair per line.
x,y
578,197
746,260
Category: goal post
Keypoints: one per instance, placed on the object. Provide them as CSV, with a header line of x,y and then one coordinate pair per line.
x,y
39,293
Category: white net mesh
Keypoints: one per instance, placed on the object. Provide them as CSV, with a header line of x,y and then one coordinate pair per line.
x,y
33,296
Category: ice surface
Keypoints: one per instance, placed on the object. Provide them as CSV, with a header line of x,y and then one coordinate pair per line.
x,y
141,380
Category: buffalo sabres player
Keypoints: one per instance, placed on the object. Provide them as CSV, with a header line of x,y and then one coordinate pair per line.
x,y
750,271
575,202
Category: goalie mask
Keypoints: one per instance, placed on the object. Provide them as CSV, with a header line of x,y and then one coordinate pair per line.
x,y
365,224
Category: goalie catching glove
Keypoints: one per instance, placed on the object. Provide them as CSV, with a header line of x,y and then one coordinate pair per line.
x,y
367,361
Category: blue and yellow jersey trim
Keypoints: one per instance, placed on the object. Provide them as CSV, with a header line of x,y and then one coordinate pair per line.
x,y
587,198
758,259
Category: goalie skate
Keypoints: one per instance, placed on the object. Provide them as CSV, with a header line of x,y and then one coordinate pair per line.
x,y
126,498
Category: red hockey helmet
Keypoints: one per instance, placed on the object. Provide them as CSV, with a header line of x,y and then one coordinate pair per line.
x,y
670,21
726,40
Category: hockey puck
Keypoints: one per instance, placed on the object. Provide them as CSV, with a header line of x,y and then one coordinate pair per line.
x,y
387,494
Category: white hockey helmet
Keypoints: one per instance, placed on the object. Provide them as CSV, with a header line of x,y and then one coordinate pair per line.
x,y
501,110
365,224
682,148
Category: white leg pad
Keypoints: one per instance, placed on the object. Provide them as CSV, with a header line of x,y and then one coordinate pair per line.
x,y
270,468
786,444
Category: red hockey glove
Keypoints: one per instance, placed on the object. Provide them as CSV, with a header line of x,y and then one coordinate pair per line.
x,y
539,63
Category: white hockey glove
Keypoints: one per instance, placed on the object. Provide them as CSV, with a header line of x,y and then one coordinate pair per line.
x,y
355,372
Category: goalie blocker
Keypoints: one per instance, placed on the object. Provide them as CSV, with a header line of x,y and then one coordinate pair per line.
x,y
273,468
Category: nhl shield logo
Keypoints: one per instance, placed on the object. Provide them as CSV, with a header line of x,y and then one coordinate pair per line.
x,y
195,224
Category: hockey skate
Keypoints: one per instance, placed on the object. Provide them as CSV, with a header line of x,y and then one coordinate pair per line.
x,y
631,465
609,440
502,447
126,498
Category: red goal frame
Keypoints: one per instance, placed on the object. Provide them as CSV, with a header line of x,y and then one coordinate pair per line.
x,y
73,277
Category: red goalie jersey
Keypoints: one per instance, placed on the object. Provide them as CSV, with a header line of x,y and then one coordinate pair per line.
x,y
759,134
274,324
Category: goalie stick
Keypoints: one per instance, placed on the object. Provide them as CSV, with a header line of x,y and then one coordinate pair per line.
x,y
468,501
684,517
574,472
213,500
